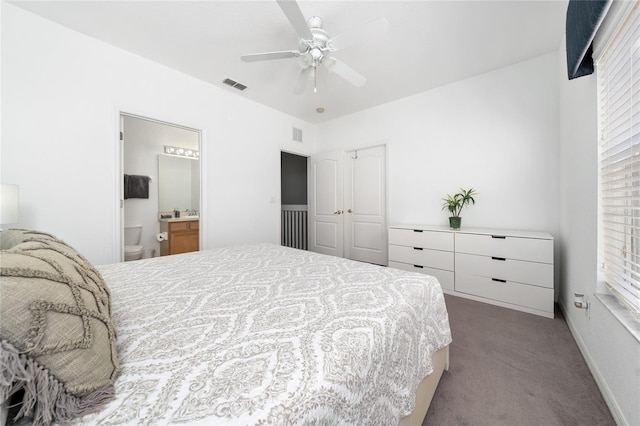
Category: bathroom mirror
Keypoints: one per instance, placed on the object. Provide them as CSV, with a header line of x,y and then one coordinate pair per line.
x,y
178,183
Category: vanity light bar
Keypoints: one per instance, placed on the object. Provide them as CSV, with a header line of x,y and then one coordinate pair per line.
x,y
183,152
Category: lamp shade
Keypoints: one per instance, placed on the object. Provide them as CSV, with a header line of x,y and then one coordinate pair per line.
x,y
8,204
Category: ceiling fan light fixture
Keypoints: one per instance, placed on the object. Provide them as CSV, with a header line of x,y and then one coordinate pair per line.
x,y
314,22
305,60
329,63
316,54
319,110
310,58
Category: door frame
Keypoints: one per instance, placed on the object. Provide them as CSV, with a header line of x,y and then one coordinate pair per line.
x,y
117,194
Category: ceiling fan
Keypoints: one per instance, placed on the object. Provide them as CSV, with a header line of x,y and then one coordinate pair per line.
x,y
315,46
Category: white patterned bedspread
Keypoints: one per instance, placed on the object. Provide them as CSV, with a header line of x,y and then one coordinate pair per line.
x,y
264,334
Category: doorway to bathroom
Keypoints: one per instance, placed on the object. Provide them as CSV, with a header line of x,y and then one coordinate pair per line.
x,y
161,179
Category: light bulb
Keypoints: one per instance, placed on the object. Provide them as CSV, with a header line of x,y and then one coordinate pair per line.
x,y
305,60
329,63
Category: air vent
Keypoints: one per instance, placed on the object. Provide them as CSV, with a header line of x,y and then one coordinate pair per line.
x,y
234,84
297,134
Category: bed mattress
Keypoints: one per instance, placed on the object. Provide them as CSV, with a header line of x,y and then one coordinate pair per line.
x,y
263,334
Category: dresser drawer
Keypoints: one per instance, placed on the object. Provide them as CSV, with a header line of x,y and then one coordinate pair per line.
x,y
422,257
530,249
418,238
535,273
445,278
524,295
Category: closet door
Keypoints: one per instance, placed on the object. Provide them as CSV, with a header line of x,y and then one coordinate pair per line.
x,y
350,224
365,228
325,203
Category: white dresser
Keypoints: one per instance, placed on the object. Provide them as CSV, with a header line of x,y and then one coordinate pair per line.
x,y
423,250
513,269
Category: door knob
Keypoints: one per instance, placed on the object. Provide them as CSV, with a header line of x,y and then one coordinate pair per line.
x,y
349,211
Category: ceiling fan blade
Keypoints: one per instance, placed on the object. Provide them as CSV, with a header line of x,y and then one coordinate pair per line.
x,y
365,33
296,18
306,75
344,71
267,56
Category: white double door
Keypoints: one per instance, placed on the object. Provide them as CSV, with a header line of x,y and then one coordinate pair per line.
x,y
347,204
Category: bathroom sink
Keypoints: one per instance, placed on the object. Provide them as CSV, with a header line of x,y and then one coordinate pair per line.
x,y
182,218
185,217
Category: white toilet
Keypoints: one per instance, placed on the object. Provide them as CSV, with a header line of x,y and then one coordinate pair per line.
x,y
132,248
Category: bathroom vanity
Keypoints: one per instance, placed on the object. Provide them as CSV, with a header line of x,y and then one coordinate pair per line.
x,y
183,235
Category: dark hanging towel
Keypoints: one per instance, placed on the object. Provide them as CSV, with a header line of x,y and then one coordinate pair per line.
x,y
583,20
136,186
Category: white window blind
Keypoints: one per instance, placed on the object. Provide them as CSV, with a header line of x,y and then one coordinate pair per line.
x,y
618,71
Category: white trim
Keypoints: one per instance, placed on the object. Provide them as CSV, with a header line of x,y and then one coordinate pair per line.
x,y
299,154
165,123
616,412
621,311
204,241
117,229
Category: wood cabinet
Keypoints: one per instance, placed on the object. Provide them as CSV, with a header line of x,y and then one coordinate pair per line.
x,y
513,269
183,236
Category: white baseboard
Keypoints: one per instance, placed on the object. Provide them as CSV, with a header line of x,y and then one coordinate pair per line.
x,y
595,372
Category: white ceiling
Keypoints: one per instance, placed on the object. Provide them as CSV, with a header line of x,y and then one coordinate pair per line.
x,y
429,43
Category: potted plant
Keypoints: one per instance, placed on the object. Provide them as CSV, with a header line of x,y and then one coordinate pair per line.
x,y
455,203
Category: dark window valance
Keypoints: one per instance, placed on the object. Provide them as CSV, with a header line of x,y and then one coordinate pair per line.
x,y
583,20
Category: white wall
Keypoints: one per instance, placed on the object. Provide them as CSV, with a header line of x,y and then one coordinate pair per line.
x,y
612,353
497,132
61,95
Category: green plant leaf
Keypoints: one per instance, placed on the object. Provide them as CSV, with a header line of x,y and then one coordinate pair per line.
x,y
455,203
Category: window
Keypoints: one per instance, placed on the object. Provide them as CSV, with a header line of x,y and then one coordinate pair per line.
x,y
618,73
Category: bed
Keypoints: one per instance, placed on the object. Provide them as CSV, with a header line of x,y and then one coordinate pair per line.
x,y
264,334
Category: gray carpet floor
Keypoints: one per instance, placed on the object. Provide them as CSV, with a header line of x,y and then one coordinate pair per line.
x,y
513,368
